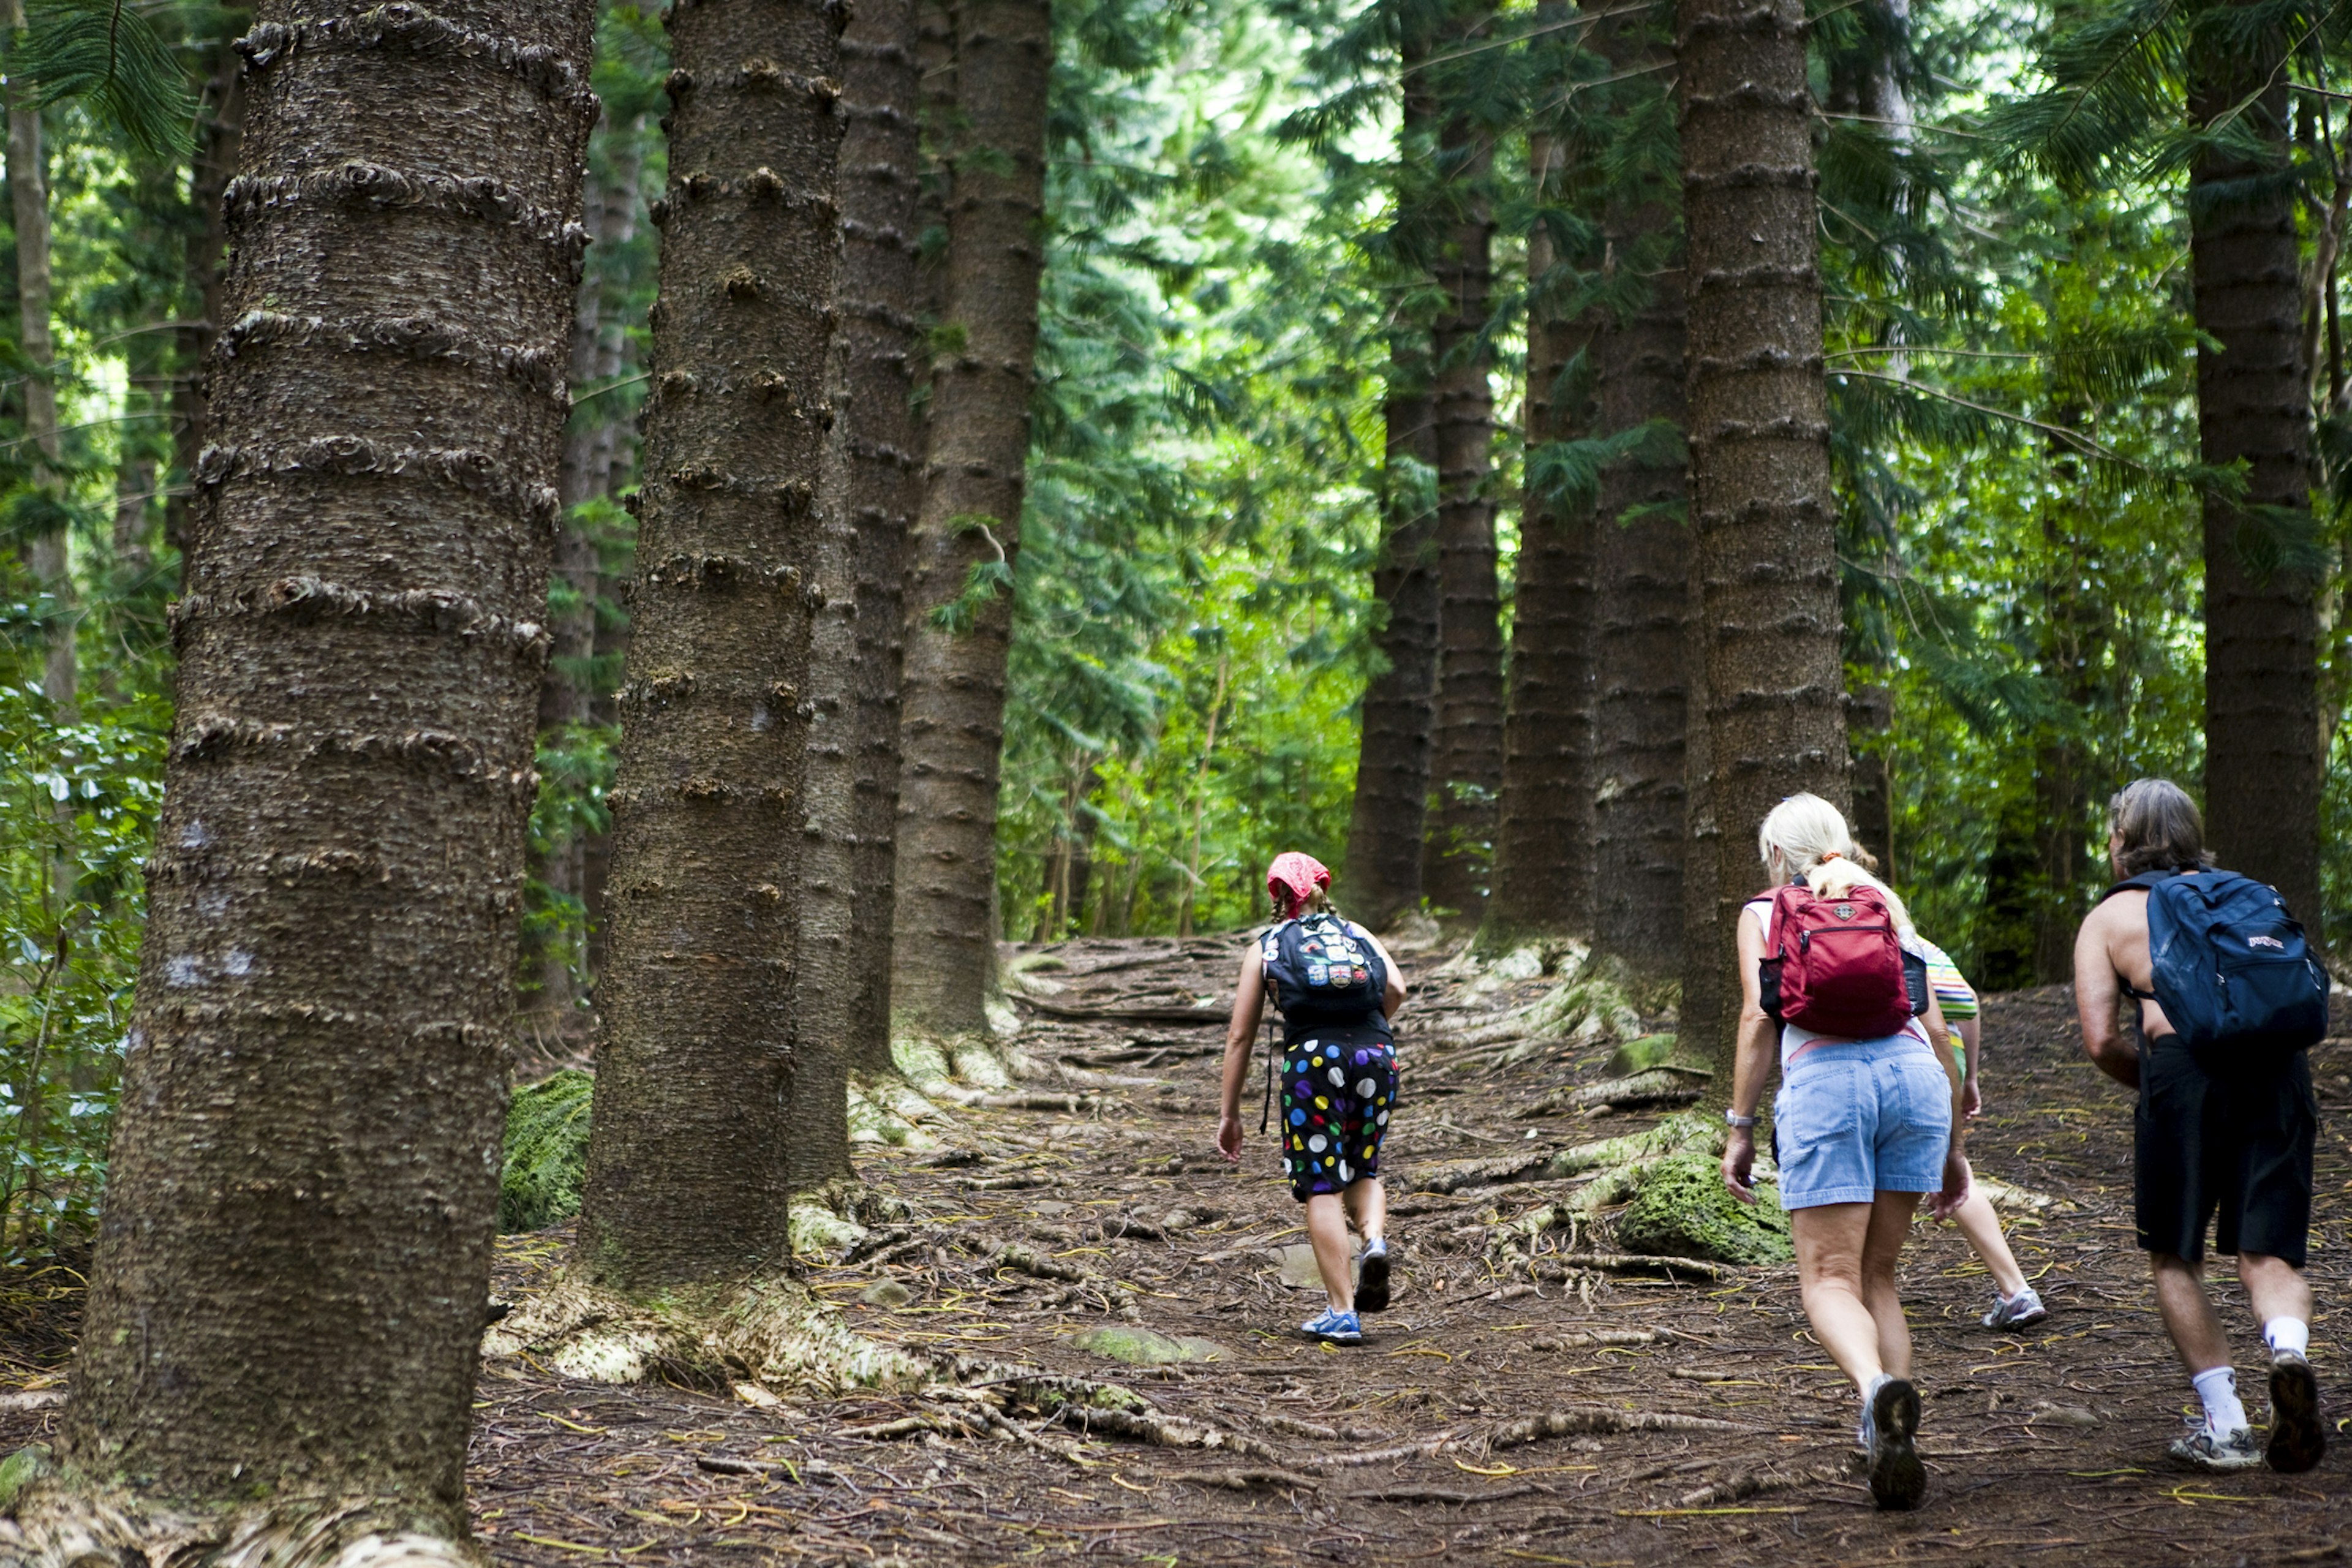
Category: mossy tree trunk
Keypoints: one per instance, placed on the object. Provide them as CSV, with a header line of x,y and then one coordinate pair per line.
x,y
872,482
967,532
290,1279
694,1136
1762,510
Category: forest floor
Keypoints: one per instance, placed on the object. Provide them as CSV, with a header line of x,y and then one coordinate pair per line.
x,y
2047,1444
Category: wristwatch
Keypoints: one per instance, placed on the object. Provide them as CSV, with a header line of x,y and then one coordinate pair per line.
x,y
1733,1119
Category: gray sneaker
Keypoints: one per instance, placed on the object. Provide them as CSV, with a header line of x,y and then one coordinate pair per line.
x,y
2211,1450
2021,1311
2298,1437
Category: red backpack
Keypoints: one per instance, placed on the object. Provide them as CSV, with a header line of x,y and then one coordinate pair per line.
x,y
1833,965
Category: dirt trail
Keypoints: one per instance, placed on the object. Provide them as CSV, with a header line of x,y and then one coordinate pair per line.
x,y
1037,1225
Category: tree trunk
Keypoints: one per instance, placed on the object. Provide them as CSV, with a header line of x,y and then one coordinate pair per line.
x,y
1543,848
967,532
2262,719
873,478
220,128
1762,505
1870,720
1642,639
50,555
1467,762
698,1085
291,1276
1381,876
567,693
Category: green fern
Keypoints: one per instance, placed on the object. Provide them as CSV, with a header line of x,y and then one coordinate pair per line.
x,y
546,1154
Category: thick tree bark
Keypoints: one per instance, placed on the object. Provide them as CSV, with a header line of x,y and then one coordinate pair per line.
x,y
1381,878
690,1158
1543,845
952,729
291,1273
1643,638
220,128
1762,505
2261,715
1869,717
873,470
1468,758
51,554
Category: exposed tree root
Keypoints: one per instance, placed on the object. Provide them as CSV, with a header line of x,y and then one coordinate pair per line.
x,y
771,1333
1599,1420
1668,1085
58,1525
1382,1456
829,1221
1165,1431
1116,1298
1588,1006
886,1109
2019,1200
1253,1481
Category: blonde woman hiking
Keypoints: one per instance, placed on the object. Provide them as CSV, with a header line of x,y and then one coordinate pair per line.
x,y
1868,1117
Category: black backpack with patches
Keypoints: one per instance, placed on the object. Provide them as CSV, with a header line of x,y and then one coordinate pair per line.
x,y
1323,973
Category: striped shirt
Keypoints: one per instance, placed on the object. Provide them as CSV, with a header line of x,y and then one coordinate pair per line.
x,y
1953,992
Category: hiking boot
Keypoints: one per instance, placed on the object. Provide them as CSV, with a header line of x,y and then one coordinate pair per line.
x,y
1373,1278
1340,1327
2219,1451
2018,1311
2298,1437
1897,1479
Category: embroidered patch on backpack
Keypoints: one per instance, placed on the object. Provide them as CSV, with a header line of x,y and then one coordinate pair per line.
x,y
1843,911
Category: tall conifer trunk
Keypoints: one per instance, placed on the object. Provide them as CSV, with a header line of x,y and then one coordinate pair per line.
x,y
1766,610
2253,404
220,128
1643,633
952,731
1468,758
694,1136
50,555
1383,876
567,694
873,471
1543,844
294,1260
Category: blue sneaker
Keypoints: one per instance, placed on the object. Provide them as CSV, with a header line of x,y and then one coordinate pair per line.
x,y
1340,1327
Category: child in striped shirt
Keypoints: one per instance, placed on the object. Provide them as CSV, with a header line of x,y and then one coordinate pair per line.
x,y
2019,1305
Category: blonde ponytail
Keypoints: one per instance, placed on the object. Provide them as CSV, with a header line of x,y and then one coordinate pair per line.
x,y
1839,874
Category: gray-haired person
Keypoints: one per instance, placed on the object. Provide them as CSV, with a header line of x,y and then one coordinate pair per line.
x,y
2225,1126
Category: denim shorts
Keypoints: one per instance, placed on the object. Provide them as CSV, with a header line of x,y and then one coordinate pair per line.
x,y
1853,1119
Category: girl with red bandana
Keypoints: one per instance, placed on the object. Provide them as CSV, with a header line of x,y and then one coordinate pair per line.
x,y
1337,988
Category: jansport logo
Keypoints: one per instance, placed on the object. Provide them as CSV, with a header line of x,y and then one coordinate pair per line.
x,y
1843,911
2265,942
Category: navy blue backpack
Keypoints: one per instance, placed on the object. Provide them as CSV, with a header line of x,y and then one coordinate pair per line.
x,y
2233,973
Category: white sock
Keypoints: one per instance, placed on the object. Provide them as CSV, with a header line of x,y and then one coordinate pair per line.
x,y
2284,1335
2217,1387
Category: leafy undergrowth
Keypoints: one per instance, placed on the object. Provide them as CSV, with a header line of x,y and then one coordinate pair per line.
x,y
546,1152
1529,1403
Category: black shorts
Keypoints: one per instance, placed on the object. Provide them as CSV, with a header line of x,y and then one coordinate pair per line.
x,y
2234,1144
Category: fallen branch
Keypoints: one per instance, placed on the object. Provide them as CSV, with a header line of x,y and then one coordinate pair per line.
x,y
1596,1421
1735,1489
1443,1495
1161,1014
1253,1481
1382,1455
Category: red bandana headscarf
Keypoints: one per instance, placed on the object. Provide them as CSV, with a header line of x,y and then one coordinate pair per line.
x,y
1293,878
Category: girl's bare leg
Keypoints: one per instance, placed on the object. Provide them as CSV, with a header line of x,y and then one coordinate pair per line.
x,y
1326,1228
1979,1223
